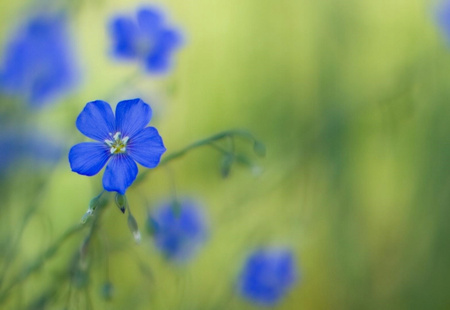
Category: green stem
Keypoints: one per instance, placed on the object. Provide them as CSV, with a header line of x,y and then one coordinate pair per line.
x,y
37,264
207,141
14,245
52,250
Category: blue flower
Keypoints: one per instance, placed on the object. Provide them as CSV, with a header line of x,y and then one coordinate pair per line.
x,y
147,39
179,230
120,141
443,17
38,64
268,275
27,149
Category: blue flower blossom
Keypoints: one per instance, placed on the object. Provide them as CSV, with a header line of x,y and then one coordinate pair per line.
x,y
443,17
268,274
121,140
27,149
179,230
146,39
38,64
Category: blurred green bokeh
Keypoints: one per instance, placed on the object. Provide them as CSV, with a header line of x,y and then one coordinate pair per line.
x,y
351,100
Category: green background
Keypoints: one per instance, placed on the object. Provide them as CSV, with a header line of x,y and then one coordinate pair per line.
x,y
351,100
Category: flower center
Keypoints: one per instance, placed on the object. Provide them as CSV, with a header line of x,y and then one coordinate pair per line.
x,y
144,45
117,144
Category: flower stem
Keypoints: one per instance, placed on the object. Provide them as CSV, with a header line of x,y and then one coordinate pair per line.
x,y
12,248
207,141
37,264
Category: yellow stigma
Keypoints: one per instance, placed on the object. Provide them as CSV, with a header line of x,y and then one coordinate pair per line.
x,y
117,145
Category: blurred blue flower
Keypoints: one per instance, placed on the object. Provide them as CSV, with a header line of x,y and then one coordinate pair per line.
x,y
147,39
179,229
121,141
443,18
38,64
27,149
268,274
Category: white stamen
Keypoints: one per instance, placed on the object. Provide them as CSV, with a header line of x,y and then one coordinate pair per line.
x,y
117,145
109,142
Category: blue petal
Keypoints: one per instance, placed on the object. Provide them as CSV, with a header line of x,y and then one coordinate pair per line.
x,y
159,59
170,38
157,62
119,174
124,32
178,234
88,158
132,116
149,20
38,63
268,275
146,147
443,18
26,149
96,121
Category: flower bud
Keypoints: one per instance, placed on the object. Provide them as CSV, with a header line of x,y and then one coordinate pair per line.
x,y
244,160
107,290
93,204
121,202
133,226
225,167
259,148
86,216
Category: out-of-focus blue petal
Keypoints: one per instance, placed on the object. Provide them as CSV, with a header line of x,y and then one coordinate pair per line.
x,y
125,33
40,148
149,20
16,62
178,230
132,116
158,61
88,158
119,174
169,39
153,42
443,18
39,63
26,149
159,58
146,147
96,121
268,275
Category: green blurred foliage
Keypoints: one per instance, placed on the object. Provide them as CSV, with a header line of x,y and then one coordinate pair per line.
x,y
350,99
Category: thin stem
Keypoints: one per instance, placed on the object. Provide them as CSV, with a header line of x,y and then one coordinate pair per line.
x,y
13,246
37,264
48,254
207,141
220,149
52,250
